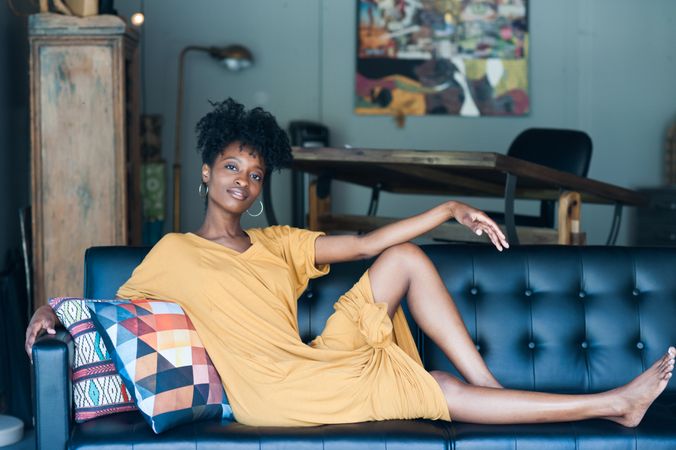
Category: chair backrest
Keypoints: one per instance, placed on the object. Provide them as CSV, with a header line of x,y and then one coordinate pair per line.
x,y
565,150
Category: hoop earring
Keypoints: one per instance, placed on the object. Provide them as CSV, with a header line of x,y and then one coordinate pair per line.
x,y
259,212
203,189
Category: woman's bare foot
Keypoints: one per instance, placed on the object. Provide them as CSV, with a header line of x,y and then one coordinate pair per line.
x,y
635,397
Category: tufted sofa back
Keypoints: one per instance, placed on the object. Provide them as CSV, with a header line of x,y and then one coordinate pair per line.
x,y
580,319
553,318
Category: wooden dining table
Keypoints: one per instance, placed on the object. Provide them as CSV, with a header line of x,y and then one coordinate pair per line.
x,y
457,173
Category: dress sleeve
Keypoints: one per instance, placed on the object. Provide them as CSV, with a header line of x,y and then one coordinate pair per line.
x,y
160,274
297,248
302,250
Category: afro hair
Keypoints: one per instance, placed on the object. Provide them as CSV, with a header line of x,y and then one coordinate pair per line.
x,y
229,122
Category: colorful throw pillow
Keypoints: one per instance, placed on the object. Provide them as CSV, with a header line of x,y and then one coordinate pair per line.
x,y
97,388
162,361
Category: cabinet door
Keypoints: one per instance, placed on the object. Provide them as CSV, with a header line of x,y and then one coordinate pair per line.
x,y
78,155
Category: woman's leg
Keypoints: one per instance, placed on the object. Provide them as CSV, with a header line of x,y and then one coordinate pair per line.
x,y
405,271
625,405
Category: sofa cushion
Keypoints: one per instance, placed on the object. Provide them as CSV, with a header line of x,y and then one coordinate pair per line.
x,y
97,388
127,431
162,361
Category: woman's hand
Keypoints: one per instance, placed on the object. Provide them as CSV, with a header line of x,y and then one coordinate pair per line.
x,y
44,320
479,223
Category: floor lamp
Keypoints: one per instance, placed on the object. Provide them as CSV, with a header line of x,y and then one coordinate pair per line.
x,y
233,58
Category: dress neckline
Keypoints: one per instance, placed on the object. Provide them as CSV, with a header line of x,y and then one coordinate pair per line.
x,y
228,249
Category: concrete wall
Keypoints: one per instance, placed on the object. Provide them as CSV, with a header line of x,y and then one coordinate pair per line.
x,y
14,134
603,66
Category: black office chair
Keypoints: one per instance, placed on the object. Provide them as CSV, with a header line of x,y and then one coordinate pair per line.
x,y
564,150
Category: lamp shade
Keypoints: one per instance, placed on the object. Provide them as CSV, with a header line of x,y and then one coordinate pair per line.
x,y
234,57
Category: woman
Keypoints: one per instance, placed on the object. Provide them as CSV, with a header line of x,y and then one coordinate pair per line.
x,y
240,289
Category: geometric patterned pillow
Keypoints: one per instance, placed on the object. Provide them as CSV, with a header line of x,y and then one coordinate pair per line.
x,y
162,361
97,388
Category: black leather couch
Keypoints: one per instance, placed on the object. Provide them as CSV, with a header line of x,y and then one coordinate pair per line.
x,y
560,319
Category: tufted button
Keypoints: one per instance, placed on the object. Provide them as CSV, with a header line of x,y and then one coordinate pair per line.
x,y
474,291
528,293
531,345
584,344
639,345
582,294
309,294
635,292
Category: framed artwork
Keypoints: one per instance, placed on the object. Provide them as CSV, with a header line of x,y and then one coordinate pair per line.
x,y
455,57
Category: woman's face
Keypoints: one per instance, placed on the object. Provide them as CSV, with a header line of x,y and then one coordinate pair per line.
x,y
235,179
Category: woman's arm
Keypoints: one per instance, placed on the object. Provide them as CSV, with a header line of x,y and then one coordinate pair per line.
x,y
332,249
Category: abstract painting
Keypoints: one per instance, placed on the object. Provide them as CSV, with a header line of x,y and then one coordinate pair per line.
x,y
454,57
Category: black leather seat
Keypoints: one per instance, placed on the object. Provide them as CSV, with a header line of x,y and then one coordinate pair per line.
x,y
128,430
552,318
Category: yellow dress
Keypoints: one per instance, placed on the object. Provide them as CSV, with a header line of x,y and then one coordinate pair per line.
x,y
362,367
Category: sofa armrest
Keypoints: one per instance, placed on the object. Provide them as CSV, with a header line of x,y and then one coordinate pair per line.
x,y
52,362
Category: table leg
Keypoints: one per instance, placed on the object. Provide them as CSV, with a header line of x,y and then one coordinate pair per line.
x,y
318,205
375,198
615,227
570,204
510,222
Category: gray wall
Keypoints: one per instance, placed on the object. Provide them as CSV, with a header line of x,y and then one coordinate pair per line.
x,y
14,135
603,66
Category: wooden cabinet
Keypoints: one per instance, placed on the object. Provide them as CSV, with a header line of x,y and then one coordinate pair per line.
x,y
85,157
655,224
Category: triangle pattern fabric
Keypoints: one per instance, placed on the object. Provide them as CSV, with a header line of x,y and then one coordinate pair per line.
x,y
143,349
123,333
162,362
